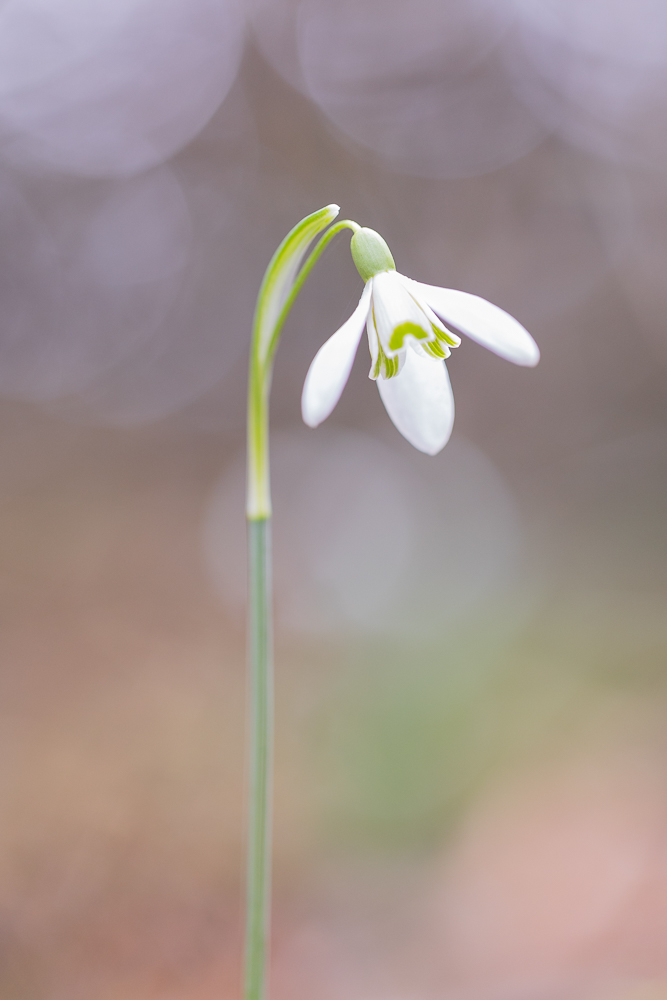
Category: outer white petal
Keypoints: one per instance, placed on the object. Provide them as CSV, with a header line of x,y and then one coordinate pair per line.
x,y
420,402
489,325
373,343
331,366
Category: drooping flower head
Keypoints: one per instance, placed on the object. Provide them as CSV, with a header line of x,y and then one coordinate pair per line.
x,y
411,330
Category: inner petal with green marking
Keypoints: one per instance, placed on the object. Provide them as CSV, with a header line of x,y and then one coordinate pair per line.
x,y
437,349
384,366
403,330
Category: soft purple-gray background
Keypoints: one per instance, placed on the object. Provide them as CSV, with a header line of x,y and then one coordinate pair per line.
x,y
471,649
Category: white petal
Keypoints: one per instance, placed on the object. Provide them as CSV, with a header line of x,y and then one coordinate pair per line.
x,y
420,402
394,306
489,325
331,366
373,345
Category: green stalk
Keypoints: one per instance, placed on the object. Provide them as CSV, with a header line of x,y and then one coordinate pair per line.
x,y
281,285
261,758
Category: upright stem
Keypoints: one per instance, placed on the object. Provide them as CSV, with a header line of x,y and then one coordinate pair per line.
x,y
281,285
261,758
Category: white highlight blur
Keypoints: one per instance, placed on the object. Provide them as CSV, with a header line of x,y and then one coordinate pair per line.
x,y
635,226
140,234
417,83
370,539
112,306
113,87
85,279
536,262
420,84
273,23
599,73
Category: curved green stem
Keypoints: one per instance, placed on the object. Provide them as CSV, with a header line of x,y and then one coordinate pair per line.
x,y
262,352
307,267
279,290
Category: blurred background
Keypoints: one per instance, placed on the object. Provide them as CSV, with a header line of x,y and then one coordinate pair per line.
x,y
471,784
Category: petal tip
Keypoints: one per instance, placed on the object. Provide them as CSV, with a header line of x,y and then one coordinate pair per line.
x,y
529,355
310,419
483,322
432,452
432,448
420,403
311,406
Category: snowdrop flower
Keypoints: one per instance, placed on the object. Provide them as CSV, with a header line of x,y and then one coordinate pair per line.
x,y
410,330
